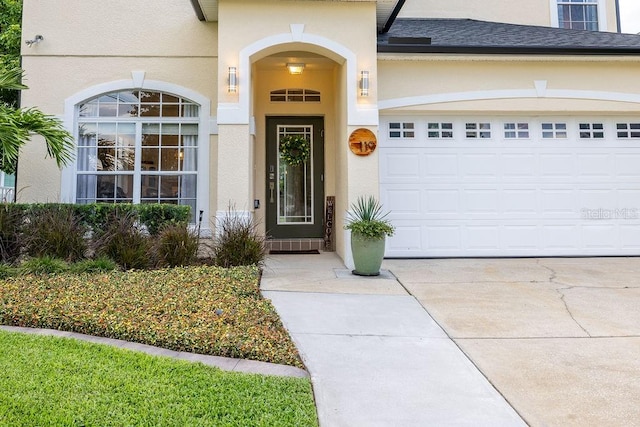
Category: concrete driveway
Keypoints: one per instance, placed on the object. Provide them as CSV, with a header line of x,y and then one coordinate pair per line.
x,y
559,338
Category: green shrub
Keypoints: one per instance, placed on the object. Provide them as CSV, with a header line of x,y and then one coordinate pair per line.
x,y
237,241
55,231
7,271
123,241
98,265
44,265
176,245
156,216
11,219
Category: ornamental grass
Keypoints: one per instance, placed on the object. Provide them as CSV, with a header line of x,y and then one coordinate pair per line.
x,y
204,309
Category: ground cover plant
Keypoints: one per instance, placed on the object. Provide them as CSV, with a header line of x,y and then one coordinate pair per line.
x,y
55,381
202,309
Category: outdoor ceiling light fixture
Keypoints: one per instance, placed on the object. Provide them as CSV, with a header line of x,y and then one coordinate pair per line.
x,y
233,80
364,83
37,39
295,68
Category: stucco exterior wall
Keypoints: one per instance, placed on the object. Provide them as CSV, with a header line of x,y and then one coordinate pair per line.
x,y
529,12
439,76
89,43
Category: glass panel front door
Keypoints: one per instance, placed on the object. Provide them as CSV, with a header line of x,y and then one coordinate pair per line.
x,y
295,177
294,181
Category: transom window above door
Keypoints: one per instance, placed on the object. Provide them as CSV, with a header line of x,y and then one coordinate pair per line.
x,y
578,14
295,95
139,147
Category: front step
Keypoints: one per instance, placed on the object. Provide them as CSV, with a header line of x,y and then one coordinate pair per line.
x,y
294,245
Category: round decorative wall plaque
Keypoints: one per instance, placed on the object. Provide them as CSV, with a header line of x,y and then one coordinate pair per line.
x,y
362,142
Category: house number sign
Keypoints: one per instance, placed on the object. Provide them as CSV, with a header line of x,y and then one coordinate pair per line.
x,y
362,142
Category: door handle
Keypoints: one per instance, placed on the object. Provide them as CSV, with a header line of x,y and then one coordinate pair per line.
x,y
272,187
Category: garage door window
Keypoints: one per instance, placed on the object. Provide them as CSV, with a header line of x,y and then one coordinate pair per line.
x,y
516,130
478,130
554,130
628,130
440,130
591,130
401,130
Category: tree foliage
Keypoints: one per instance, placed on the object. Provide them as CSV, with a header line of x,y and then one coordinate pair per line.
x,y
17,125
10,36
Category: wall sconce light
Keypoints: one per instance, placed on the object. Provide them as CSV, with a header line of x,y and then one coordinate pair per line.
x,y
295,68
233,80
364,83
37,39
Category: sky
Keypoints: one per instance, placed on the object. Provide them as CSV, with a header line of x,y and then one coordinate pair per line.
x,y
630,16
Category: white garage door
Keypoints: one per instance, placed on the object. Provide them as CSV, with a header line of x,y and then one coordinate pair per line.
x,y
505,186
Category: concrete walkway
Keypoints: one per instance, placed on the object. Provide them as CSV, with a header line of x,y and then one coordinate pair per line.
x,y
558,337
376,357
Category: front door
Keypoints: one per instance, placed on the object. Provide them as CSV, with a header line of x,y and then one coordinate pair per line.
x,y
295,187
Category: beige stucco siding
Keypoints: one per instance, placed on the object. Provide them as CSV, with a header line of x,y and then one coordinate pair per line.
x,y
89,43
117,28
529,12
477,80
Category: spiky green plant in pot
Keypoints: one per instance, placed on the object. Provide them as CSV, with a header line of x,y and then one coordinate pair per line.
x,y
369,228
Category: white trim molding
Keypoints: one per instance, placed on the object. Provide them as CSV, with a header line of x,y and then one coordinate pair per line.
x,y
297,39
538,92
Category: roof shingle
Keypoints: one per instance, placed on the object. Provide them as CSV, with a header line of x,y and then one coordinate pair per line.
x,y
468,35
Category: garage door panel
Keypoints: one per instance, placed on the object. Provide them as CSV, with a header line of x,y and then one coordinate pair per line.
x,y
519,202
558,203
443,237
406,240
405,166
404,202
630,236
441,166
444,201
480,202
480,238
520,237
479,165
627,165
557,165
519,165
498,197
560,237
595,165
595,198
599,236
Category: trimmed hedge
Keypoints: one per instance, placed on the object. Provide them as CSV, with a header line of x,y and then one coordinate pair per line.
x,y
96,215
59,229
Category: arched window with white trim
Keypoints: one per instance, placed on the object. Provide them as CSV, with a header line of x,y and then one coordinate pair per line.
x,y
138,146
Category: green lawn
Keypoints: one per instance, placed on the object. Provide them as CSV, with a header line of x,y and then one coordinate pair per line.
x,y
46,381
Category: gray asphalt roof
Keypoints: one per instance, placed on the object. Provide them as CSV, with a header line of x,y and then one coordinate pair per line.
x,y
469,35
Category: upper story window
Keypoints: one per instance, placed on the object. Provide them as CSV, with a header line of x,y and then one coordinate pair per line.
x,y
137,146
578,14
